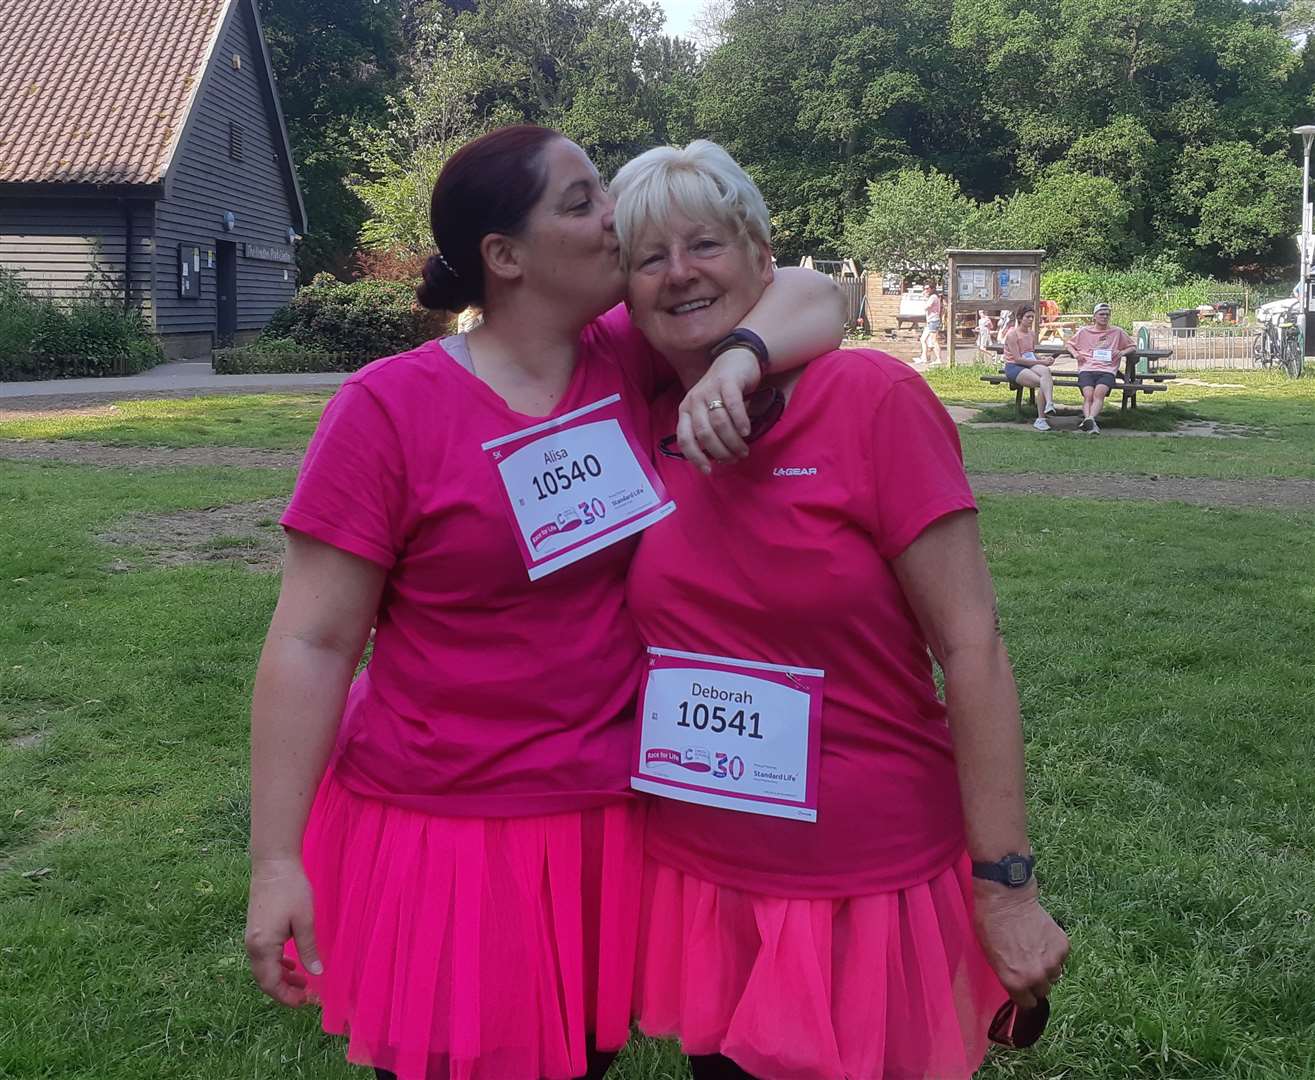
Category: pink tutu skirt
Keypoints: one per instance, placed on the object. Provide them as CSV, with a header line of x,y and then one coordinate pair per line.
x,y
473,948
890,986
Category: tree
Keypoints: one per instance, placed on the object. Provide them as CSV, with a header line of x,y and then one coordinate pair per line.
x,y
429,121
912,219
336,61
1079,219
1236,203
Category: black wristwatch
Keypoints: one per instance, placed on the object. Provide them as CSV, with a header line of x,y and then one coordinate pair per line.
x,y
1013,870
743,338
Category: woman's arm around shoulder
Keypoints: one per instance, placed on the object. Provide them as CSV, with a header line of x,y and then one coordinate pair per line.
x,y
325,610
944,577
799,316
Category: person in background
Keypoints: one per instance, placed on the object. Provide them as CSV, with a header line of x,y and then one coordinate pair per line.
x,y
932,331
874,931
1100,349
985,332
1023,367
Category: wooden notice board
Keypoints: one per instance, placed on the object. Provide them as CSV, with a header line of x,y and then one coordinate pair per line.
x,y
993,281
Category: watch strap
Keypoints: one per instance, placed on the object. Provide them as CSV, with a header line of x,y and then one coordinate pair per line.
x,y
1013,870
743,338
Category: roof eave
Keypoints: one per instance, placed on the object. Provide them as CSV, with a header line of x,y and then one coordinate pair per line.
x,y
286,157
64,189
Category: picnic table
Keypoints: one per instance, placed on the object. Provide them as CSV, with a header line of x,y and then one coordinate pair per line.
x,y
1129,381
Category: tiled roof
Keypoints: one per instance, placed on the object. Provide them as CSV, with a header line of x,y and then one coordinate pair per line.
x,y
96,91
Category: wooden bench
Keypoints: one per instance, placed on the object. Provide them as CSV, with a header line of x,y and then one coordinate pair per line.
x,y
1143,384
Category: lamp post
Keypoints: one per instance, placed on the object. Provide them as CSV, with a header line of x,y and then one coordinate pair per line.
x,y
1307,133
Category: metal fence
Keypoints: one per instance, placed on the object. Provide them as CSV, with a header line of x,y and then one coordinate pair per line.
x,y
852,289
1206,347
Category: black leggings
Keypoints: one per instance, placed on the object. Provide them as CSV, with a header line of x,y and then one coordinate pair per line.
x,y
716,1067
599,1061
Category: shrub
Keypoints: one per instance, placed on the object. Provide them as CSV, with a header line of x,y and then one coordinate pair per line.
x,y
1145,292
89,335
389,264
364,319
267,356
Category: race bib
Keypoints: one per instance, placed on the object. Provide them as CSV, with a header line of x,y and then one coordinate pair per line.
x,y
1030,356
576,484
734,734
1102,356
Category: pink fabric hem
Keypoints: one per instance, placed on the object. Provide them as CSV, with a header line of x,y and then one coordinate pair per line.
x,y
887,986
473,948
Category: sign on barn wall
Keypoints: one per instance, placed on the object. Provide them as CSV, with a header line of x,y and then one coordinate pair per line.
x,y
268,253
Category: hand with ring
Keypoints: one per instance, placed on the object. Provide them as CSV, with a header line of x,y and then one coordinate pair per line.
x,y
713,419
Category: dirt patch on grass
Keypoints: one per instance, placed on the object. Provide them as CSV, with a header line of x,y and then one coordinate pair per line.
x,y
1069,418
27,741
100,455
244,533
1262,494
8,412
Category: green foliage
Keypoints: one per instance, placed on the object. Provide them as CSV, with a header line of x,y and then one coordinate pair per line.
x,y
336,61
1102,131
1235,201
268,356
87,336
359,321
1073,216
1147,291
911,220
597,70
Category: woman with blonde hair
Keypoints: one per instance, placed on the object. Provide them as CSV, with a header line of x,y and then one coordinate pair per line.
x,y
838,874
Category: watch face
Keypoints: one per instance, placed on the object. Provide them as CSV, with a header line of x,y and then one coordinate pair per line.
x,y
1017,872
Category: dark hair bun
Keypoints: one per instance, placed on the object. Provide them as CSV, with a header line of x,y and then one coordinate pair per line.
x,y
441,290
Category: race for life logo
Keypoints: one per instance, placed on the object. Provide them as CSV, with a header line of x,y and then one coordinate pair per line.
x,y
566,521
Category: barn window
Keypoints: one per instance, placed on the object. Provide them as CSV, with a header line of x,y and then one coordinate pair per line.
x,y
235,141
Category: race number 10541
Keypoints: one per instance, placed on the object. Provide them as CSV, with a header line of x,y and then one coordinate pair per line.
x,y
719,718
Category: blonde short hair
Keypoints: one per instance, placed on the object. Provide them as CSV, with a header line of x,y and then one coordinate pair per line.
x,y
701,182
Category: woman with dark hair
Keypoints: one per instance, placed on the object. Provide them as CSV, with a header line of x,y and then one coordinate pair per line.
x,y
447,839
1024,367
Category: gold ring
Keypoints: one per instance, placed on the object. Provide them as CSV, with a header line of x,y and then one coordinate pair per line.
x,y
716,403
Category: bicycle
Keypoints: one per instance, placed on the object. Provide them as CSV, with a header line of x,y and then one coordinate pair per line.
x,y
1279,346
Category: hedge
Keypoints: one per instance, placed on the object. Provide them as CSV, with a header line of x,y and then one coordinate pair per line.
x,y
283,356
90,335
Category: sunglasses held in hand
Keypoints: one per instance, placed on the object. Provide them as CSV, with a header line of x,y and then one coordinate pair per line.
x,y
1019,1028
764,408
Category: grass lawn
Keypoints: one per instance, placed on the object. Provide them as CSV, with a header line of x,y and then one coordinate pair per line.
x,y
267,421
1167,713
1276,413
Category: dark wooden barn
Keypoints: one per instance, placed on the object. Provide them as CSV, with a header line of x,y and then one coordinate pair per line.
x,y
143,154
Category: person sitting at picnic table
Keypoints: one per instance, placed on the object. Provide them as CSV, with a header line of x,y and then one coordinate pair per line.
x,y
931,332
1023,367
1099,349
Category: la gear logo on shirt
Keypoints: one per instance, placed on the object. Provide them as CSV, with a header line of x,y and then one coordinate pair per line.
x,y
778,471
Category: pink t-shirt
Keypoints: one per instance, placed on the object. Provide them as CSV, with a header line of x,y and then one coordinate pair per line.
x,y
1088,338
1017,343
785,558
486,694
